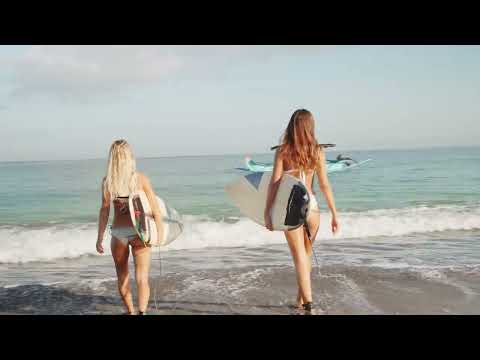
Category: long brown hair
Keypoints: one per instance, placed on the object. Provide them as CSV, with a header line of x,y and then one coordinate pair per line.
x,y
298,143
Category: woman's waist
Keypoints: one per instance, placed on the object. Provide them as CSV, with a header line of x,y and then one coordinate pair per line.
x,y
122,221
310,192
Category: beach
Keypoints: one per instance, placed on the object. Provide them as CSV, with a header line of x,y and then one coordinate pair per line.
x,y
225,287
409,240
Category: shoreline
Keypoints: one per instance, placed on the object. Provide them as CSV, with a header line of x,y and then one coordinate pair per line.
x,y
260,290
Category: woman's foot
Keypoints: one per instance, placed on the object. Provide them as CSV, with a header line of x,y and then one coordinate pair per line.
x,y
307,307
299,304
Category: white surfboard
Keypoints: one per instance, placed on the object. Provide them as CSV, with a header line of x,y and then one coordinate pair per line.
x,y
142,218
290,208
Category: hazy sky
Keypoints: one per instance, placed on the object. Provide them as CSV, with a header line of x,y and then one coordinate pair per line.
x,y
71,102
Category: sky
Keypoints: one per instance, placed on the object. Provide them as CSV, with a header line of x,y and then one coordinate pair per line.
x,y
71,102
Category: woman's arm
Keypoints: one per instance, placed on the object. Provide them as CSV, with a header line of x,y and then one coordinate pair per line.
x,y
273,188
326,189
103,218
152,200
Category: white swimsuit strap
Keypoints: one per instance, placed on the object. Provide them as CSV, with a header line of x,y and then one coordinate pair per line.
x,y
303,176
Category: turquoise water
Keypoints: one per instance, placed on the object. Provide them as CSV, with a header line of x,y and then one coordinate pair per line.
x,y
48,210
38,193
409,239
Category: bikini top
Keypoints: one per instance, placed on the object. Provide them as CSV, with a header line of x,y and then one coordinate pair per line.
x,y
303,177
121,203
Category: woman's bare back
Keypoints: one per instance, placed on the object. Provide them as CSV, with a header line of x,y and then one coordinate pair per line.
x,y
121,215
289,168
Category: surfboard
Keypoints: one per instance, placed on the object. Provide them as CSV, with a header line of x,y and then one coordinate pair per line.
x,y
290,208
332,166
255,166
142,218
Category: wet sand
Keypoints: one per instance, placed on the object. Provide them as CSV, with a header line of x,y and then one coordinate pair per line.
x,y
267,290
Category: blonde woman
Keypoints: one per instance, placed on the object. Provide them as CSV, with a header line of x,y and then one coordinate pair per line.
x,y
301,156
121,180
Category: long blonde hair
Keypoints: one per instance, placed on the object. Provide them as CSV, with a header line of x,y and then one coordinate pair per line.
x,y
121,178
299,144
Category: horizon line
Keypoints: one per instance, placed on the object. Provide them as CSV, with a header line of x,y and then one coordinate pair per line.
x,y
253,153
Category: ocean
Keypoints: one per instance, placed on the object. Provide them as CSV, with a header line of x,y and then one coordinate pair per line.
x,y
409,240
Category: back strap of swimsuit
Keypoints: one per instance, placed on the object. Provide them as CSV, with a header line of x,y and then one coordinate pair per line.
x,y
303,176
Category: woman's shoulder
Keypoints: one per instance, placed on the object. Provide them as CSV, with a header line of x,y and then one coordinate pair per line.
x,y
320,148
142,179
279,154
321,153
320,157
141,176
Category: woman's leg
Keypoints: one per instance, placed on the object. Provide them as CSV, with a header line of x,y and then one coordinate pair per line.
x,y
297,248
313,225
141,256
120,254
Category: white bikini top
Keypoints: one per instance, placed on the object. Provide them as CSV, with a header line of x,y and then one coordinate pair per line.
x,y
303,177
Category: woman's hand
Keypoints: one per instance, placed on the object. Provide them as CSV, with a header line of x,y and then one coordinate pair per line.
x,y
268,220
100,247
335,225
